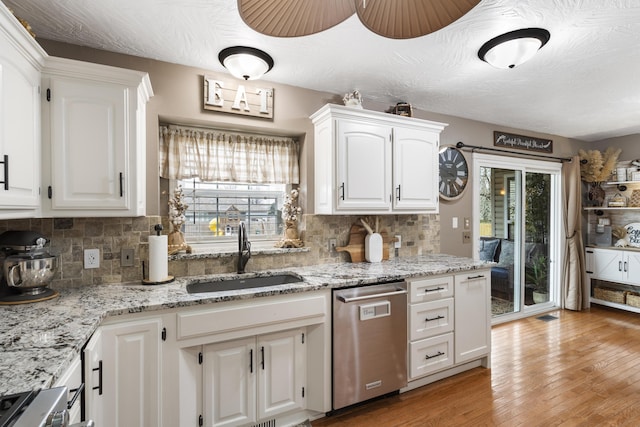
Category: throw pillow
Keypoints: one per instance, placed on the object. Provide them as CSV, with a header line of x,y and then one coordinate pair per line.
x,y
488,248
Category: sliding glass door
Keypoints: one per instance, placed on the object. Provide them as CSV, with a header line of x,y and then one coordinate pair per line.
x,y
517,226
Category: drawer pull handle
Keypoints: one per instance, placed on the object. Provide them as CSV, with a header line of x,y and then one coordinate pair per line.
x,y
434,318
439,288
438,354
479,276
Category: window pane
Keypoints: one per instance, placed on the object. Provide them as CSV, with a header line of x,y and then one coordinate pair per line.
x,y
215,209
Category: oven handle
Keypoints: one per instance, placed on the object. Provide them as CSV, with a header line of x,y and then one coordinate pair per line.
x,y
365,297
77,394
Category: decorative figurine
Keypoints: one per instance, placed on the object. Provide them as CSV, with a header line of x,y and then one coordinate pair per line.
x,y
353,99
177,208
290,214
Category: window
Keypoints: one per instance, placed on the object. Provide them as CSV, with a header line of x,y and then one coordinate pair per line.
x,y
228,177
215,209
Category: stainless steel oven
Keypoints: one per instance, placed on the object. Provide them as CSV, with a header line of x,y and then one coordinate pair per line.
x,y
369,342
44,408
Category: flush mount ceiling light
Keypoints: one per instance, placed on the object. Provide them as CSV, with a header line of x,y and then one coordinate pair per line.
x,y
388,18
513,48
244,62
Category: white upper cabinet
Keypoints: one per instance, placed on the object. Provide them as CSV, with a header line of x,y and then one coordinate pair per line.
x,y
94,139
21,60
374,163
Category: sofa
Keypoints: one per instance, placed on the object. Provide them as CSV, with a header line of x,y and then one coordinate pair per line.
x,y
501,251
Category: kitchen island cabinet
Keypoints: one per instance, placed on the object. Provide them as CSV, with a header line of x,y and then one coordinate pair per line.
x,y
21,60
94,126
368,162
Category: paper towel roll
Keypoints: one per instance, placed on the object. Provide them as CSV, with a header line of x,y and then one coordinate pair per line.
x,y
158,265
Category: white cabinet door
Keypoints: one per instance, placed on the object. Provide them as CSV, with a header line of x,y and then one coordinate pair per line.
x,y
632,267
254,379
607,264
93,380
363,166
131,361
229,371
19,120
282,373
89,144
472,315
72,379
94,140
415,169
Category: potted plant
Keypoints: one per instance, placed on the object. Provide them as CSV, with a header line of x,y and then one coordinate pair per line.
x,y
536,274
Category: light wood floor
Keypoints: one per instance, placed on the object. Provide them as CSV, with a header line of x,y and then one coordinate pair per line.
x,y
582,369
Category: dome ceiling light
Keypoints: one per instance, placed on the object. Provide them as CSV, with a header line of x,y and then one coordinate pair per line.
x,y
513,48
246,63
394,19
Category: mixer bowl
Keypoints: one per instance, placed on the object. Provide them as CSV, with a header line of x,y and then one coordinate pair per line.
x,y
30,275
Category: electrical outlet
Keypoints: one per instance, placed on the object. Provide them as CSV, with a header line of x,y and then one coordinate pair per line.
x,y
126,257
466,237
92,258
332,244
398,242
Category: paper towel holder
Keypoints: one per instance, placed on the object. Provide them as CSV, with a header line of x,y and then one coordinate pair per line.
x,y
158,229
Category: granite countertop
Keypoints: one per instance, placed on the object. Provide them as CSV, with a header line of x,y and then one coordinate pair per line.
x,y
38,341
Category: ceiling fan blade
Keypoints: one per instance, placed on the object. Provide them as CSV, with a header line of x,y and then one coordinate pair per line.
x,y
294,18
406,19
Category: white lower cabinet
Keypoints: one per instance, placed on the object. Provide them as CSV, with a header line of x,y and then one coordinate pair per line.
x,y
72,379
254,379
473,315
123,375
258,361
449,325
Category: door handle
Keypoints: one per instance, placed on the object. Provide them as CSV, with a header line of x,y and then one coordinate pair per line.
x,y
5,162
99,386
342,191
398,193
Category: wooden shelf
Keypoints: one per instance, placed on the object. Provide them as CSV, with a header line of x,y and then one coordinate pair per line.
x,y
615,305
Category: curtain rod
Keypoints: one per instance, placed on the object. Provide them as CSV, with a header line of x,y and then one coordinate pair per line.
x,y
473,148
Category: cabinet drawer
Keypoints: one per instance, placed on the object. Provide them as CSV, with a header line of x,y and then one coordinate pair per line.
x,y
257,313
421,290
431,318
430,355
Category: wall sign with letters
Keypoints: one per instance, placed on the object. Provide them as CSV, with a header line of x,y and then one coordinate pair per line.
x,y
231,97
509,140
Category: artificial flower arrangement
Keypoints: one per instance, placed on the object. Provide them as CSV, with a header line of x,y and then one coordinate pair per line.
x,y
291,212
177,208
595,168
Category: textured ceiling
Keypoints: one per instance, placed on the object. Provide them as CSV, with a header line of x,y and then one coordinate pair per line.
x,y
584,84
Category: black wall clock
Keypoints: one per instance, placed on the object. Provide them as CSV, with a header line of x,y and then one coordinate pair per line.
x,y
454,173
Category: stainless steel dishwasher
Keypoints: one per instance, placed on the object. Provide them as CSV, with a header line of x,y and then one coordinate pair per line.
x,y
369,342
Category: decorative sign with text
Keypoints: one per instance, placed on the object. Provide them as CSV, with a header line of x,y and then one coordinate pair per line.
x,y
231,97
509,140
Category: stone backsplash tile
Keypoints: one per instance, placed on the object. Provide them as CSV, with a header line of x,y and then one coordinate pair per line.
x,y
71,236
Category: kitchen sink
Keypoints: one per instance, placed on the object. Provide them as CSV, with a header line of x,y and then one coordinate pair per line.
x,y
243,283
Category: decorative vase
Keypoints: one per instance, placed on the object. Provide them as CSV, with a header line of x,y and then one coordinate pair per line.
x,y
291,230
596,194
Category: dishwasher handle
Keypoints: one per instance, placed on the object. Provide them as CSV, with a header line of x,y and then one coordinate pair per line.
x,y
347,299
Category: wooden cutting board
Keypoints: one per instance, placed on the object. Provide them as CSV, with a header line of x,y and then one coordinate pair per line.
x,y
355,247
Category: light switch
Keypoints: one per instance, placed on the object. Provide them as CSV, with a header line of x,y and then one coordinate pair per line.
x,y
454,222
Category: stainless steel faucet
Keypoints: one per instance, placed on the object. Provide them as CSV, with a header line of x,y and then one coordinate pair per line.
x,y
244,247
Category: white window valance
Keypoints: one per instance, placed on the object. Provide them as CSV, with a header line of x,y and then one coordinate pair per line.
x,y
222,156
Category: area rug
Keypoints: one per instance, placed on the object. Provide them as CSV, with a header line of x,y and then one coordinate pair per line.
x,y
500,306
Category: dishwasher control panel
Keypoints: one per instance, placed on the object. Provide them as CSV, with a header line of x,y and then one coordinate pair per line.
x,y
375,310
